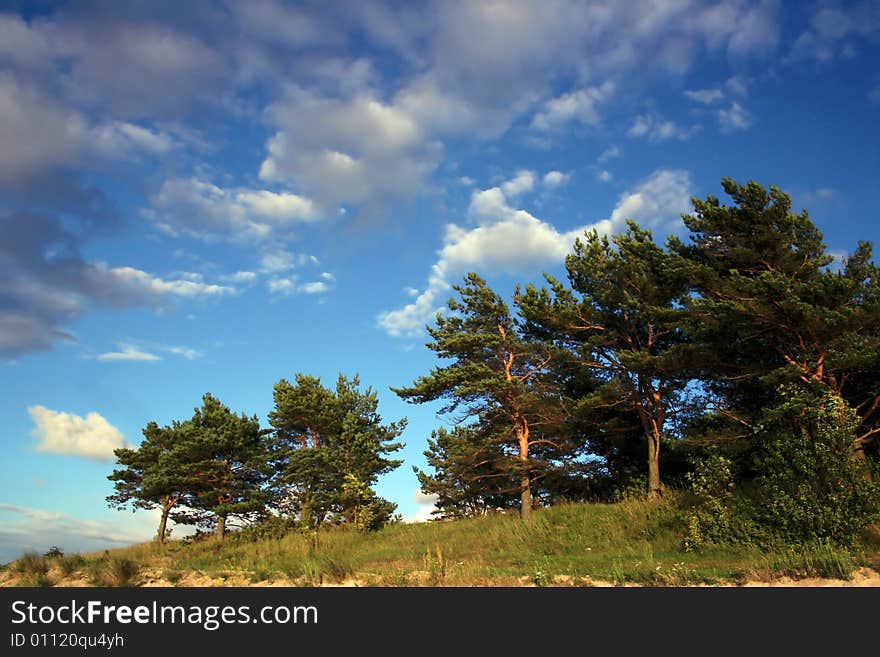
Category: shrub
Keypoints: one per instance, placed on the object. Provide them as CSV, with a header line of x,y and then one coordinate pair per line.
x,y
70,564
811,488
270,528
113,571
32,563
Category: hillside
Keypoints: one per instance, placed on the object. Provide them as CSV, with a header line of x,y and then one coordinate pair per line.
x,y
627,543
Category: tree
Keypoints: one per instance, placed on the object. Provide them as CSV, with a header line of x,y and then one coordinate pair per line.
x,y
304,419
620,319
225,460
766,309
330,447
494,372
470,477
152,475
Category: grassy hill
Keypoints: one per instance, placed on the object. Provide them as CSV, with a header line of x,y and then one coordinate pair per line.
x,y
631,542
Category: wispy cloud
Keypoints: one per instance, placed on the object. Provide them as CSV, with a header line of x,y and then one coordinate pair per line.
x,y
128,352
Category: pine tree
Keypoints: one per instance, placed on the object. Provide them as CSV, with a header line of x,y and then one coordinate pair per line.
x,y
766,309
620,319
152,475
494,370
226,461
330,447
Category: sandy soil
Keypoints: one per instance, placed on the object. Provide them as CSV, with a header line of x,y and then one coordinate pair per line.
x,y
864,577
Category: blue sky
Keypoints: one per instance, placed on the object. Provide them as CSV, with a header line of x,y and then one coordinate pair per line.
x,y
215,196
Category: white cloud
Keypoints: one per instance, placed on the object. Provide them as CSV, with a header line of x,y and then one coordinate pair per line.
x,y
357,151
657,202
656,129
289,285
704,96
91,437
554,179
202,209
24,529
425,505
523,182
128,352
240,277
119,139
136,283
184,352
737,85
734,118
580,105
609,153
276,260
40,133
512,240
833,31
605,176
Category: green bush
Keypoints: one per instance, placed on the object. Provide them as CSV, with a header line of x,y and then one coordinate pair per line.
x,y
270,528
811,488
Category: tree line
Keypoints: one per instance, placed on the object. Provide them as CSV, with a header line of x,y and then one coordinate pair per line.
x,y
317,464
740,363
743,358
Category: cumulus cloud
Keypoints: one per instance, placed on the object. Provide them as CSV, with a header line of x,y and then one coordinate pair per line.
x,y
425,506
605,176
523,182
554,179
201,209
357,151
40,134
512,240
656,129
580,105
91,437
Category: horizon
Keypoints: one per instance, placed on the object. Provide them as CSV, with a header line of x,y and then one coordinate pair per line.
x,y
212,197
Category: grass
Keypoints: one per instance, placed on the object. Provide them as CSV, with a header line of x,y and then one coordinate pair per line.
x,y
630,542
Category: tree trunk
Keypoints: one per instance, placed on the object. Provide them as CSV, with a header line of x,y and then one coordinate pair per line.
x,y
654,492
160,536
525,496
221,528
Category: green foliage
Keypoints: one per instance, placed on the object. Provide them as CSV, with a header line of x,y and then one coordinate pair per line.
x,y
811,487
621,320
54,552
496,375
268,528
819,559
155,475
225,465
329,448
714,519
